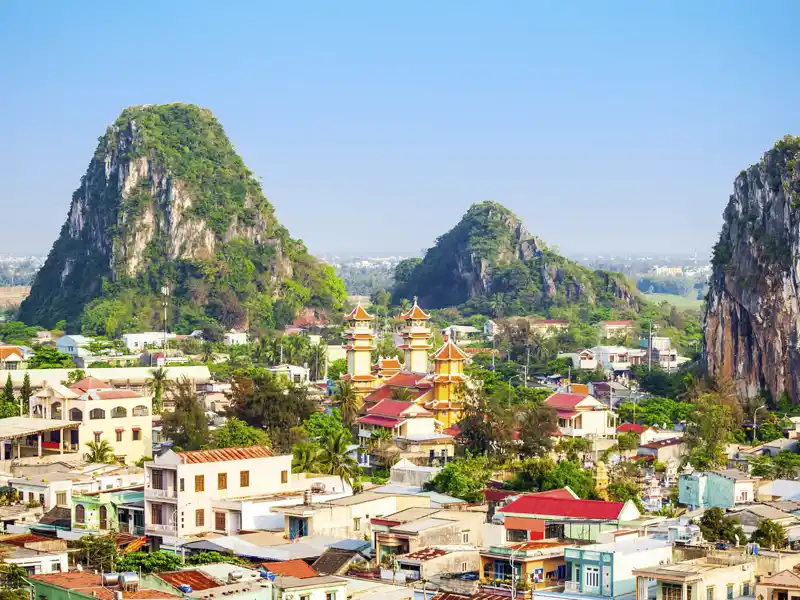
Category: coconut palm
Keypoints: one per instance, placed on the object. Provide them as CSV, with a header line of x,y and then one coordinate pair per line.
x,y
402,394
99,452
306,458
498,304
770,534
207,352
348,402
335,460
318,360
158,382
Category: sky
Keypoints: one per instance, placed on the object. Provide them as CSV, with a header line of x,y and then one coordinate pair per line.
x,y
606,126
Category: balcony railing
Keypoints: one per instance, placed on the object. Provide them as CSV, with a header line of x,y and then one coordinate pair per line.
x,y
154,493
168,529
572,586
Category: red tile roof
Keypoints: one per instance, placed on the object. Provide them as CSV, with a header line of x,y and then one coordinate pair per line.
x,y
6,351
197,579
90,383
89,584
495,495
205,456
359,314
492,495
449,351
635,427
563,493
415,313
291,568
388,363
382,393
406,379
560,507
390,408
381,421
564,401
23,538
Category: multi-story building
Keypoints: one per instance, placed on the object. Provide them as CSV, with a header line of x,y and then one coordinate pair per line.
x,y
725,489
538,563
722,577
105,511
120,417
615,329
582,415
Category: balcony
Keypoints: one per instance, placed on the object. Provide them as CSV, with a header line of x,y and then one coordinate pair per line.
x,y
572,587
154,494
161,529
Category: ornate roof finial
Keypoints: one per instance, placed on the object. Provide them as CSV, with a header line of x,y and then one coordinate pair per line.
x,y
415,299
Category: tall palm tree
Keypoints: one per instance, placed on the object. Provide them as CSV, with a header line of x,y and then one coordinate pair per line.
x,y
207,352
306,458
348,402
381,443
498,304
335,460
158,382
402,394
99,452
319,358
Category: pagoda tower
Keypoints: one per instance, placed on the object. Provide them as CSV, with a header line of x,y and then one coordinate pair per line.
x,y
448,377
416,339
360,344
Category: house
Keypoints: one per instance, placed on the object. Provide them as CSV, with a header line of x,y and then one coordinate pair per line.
x,y
664,450
410,530
26,439
607,570
74,345
35,553
103,511
293,373
345,517
539,563
490,329
137,342
646,433
460,333
289,568
220,491
406,420
120,417
618,360
725,489
584,359
547,328
781,586
659,350
721,577
615,329
85,585
428,562
778,489
235,338
336,561
582,415
538,517
11,359
739,456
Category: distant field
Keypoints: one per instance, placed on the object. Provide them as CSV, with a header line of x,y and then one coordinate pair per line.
x,y
12,296
682,302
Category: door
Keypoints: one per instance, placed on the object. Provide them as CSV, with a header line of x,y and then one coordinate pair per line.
x,y
103,518
219,521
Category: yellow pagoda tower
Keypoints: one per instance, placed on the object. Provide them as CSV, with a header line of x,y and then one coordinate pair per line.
x,y
360,344
448,379
416,339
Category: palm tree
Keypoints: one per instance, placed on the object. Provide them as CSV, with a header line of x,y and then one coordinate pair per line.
x,y
306,457
348,402
405,305
335,460
402,394
770,534
158,382
319,358
99,452
498,304
381,444
207,352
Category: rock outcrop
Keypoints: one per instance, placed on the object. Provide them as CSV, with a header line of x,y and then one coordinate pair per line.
x,y
167,201
752,316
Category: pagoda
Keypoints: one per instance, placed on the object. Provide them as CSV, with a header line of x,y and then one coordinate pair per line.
x,y
416,339
359,346
447,403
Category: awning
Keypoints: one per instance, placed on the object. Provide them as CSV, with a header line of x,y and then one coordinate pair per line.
x,y
136,428
382,421
119,429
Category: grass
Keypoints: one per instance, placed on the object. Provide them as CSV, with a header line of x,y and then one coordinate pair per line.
x,y
680,302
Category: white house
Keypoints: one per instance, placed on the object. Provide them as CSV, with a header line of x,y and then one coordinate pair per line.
x,y
36,554
490,329
585,359
235,338
136,342
582,415
120,417
74,345
293,373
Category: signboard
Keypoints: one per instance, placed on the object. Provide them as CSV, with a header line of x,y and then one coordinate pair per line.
x,y
538,575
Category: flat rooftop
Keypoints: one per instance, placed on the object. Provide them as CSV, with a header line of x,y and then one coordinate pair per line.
x,y
16,427
692,569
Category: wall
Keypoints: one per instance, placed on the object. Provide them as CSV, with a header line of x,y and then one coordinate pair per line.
x,y
338,520
692,490
719,491
312,593
626,562
43,563
719,580
49,490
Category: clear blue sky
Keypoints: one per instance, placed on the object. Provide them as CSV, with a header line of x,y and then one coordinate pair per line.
x,y
608,126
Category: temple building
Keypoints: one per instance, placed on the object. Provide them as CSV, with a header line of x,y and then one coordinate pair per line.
x,y
416,339
360,338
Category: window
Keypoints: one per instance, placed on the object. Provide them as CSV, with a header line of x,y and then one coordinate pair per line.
x,y
76,414
140,411
120,412
671,591
61,498
592,577
357,524
464,567
284,476
746,589
41,499
516,535
156,514
222,481
97,413
330,595
219,521
181,484
730,591
30,496
157,480
244,479
305,597
119,435
199,518
137,434
465,537
199,483
80,514
710,592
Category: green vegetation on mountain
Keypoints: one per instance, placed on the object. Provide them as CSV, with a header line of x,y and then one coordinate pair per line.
x,y
488,263
166,200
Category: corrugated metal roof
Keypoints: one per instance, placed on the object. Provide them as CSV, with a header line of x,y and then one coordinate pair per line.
x,y
197,580
291,568
224,454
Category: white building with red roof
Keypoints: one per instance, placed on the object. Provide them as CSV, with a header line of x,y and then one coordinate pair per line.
x,y
123,418
582,415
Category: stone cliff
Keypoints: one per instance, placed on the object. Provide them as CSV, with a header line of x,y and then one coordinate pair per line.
x,y
751,321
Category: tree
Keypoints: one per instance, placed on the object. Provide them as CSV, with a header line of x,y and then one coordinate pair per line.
x,y
335,460
715,526
99,452
787,465
381,443
321,426
238,434
211,557
158,382
347,401
762,466
770,534
622,491
50,358
25,393
486,427
318,360
708,430
186,426
337,368
306,457
149,562
538,425
97,552
570,474
531,473
8,391
629,440
464,478
402,394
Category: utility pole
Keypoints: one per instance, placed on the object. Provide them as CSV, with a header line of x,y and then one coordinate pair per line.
x,y
165,294
527,365
650,349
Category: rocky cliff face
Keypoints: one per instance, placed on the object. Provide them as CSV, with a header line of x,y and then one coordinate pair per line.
x,y
489,257
751,322
167,201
